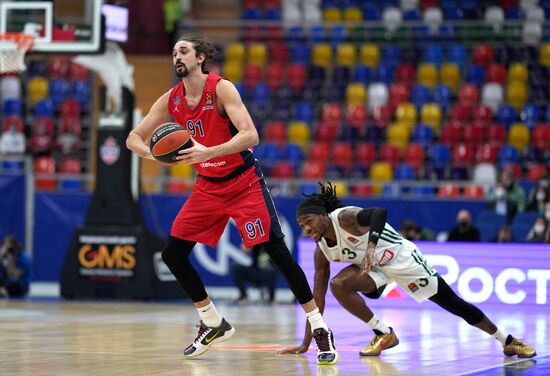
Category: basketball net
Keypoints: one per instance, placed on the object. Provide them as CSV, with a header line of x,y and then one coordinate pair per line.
x,y
13,47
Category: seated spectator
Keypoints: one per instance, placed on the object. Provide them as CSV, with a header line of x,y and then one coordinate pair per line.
x,y
12,141
504,235
464,231
538,231
410,230
261,274
512,190
501,204
539,195
15,269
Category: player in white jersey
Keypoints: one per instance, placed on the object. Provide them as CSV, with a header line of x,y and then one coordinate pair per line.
x,y
378,255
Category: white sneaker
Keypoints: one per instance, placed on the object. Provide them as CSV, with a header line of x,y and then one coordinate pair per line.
x,y
326,351
208,336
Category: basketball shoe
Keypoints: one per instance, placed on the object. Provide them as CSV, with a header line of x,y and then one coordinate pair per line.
x,y
326,351
207,336
380,342
516,347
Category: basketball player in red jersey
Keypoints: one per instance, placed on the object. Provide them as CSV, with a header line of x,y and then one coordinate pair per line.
x,y
230,184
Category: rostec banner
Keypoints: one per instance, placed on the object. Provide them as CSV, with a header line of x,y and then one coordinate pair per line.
x,y
106,257
505,275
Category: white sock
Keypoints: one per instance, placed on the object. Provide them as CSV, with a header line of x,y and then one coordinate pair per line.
x,y
316,320
500,337
210,316
376,324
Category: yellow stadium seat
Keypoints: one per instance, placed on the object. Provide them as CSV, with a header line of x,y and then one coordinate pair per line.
x,y
356,94
37,89
353,14
450,76
341,188
406,113
427,75
233,71
369,55
544,54
332,14
517,72
298,132
518,136
431,115
346,55
234,52
398,135
181,171
257,54
322,55
516,94
380,172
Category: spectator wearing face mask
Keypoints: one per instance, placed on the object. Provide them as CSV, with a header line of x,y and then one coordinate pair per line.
x,y
539,196
538,231
512,190
464,231
501,204
504,235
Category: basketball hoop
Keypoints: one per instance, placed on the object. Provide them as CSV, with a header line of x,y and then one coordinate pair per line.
x,y
13,47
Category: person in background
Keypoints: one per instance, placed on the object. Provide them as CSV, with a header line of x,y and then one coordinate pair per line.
x,y
261,274
464,231
15,268
501,204
538,231
412,231
504,235
513,191
539,195
12,141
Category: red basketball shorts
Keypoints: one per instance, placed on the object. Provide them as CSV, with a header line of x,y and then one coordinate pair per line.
x,y
245,198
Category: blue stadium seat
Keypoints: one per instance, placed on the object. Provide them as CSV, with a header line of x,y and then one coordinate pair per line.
x,y
299,53
317,34
420,95
530,115
475,74
522,224
423,134
362,74
384,72
506,115
443,96
12,107
412,15
293,154
260,94
338,35
458,55
508,155
433,54
404,171
252,14
358,172
309,188
390,190
304,111
488,222
390,54
441,155
82,92
241,89
44,108
12,165
423,190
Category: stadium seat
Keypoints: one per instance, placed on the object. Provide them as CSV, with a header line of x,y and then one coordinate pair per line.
x,y
356,94
78,72
257,54
296,76
332,14
12,107
404,171
341,155
406,113
427,75
377,96
483,55
405,74
275,132
390,154
319,151
235,53
431,115
492,96
451,133
59,68
460,112
357,116
486,153
13,121
321,55
361,190
468,94
423,134
380,172
474,191
71,167
42,135
541,137
535,172
448,190
517,72
462,155
232,70
304,111
299,133
482,114
530,115
365,154
398,135
450,76
346,55
508,154
475,74
44,168
10,87
506,115
443,96
369,54
488,223
313,170
326,132
518,136
399,93
485,174
440,155
82,92
382,115
282,170
496,73
332,112
458,55
414,155
420,95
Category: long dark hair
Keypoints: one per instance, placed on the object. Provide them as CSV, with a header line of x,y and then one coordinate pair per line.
x,y
201,46
326,200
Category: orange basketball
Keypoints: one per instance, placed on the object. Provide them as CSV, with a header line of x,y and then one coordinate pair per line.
x,y
167,140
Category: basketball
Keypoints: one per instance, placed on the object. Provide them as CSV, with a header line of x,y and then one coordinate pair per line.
x,y
167,140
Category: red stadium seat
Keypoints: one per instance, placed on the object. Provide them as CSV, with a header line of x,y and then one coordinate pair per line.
x,y
399,93
69,107
474,133
278,52
70,165
357,116
275,132
365,154
70,124
468,95
326,132
496,133
78,72
59,68
42,135
383,115
463,154
483,55
16,121
361,189
274,75
252,74
319,151
487,153
540,136
282,170
496,73
44,166
536,171
390,153
483,114
297,76
332,112
474,191
451,133
341,155
405,74
448,190
313,170
460,112
414,155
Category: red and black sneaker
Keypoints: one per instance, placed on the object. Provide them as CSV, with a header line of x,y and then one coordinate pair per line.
x,y
326,351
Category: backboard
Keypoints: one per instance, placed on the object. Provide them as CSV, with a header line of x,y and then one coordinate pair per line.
x,y
59,26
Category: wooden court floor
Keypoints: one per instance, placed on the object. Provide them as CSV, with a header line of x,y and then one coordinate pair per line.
x,y
56,337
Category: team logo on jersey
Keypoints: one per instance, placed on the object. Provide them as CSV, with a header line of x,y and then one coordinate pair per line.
x,y
413,287
109,151
176,102
353,240
387,256
208,98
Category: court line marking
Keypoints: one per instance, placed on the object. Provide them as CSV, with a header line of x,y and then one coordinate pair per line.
x,y
504,365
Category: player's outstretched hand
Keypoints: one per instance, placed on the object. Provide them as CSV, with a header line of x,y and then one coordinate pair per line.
x,y
294,350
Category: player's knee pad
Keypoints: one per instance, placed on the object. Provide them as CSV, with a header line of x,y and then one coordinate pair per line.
x,y
176,251
446,298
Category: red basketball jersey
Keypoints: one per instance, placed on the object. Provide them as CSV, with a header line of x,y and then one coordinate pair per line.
x,y
208,127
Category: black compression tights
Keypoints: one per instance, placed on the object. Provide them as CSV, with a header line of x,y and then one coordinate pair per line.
x,y
446,298
176,256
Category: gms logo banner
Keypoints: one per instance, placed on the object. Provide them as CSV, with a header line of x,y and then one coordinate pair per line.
x,y
107,258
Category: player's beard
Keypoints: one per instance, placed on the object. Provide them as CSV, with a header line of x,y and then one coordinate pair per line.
x,y
182,72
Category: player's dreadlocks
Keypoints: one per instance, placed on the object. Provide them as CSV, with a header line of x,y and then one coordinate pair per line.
x,y
320,203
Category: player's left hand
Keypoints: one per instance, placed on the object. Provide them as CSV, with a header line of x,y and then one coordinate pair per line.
x,y
195,154
368,261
